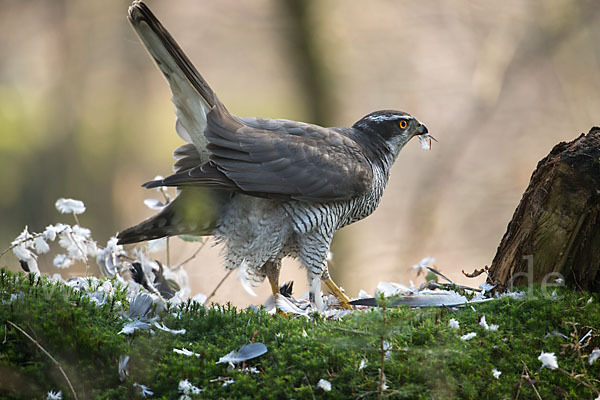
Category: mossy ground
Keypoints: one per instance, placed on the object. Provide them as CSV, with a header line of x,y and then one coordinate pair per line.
x,y
428,358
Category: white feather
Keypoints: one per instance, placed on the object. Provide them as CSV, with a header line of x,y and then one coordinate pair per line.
x,y
244,278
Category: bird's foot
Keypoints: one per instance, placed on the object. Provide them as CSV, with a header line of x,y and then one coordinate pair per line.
x,y
337,292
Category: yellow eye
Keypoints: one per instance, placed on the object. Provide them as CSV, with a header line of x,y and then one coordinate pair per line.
x,y
403,124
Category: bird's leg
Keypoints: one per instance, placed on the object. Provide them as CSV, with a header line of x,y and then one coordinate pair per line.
x,y
313,255
272,269
337,292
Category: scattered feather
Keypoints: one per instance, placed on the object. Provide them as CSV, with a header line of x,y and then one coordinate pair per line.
x,y
144,390
594,356
335,314
548,360
484,324
62,261
556,333
362,365
324,384
486,287
199,298
109,258
68,206
22,252
162,327
468,336
420,298
383,383
54,395
140,305
454,324
288,305
389,289
426,141
246,352
154,204
587,335
315,288
187,388
514,295
421,266
387,348
123,367
40,245
51,231
496,373
244,278
186,352
132,326
227,382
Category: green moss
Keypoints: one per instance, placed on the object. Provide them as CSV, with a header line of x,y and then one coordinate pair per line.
x,y
428,360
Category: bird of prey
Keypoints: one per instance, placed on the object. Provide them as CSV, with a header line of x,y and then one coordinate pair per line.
x,y
265,188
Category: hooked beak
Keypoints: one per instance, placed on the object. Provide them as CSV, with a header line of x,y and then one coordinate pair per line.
x,y
424,133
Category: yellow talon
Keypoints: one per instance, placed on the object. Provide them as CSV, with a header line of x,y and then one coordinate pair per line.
x,y
337,292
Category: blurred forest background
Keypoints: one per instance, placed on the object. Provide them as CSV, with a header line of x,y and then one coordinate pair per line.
x,y
84,113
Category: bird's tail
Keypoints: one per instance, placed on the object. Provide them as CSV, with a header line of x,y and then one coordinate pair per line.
x,y
194,211
192,96
167,54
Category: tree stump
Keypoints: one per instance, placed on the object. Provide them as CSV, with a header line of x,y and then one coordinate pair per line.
x,y
556,227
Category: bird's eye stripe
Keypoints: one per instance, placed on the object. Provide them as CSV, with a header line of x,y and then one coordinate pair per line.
x,y
381,118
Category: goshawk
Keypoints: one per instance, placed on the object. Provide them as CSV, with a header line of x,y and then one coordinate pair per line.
x,y
265,188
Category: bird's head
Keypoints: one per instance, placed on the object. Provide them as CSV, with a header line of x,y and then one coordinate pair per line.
x,y
396,128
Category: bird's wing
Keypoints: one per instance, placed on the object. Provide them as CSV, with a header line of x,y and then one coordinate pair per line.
x,y
278,159
192,96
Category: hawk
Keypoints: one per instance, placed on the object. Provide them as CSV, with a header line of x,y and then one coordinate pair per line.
x,y
265,188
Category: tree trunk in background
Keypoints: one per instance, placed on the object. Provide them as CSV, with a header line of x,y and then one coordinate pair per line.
x,y
556,227
303,40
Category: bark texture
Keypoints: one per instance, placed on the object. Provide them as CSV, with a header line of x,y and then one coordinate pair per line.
x,y
556,227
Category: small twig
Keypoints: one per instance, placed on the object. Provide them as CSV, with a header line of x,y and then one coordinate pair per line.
x,y
48,354
520,382
187,260
12,246
309,386
528,377
218,286
168,253
220,379
83,252
163,191
76,218
584,383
